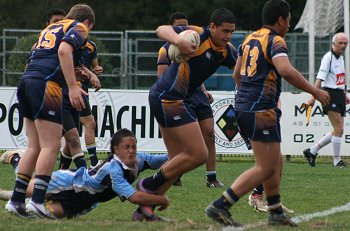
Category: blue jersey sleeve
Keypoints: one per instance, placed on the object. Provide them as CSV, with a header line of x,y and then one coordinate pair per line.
x,y
148,161
76,36
119,184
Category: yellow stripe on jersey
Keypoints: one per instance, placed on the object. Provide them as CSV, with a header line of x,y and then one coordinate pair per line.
x,y
90,46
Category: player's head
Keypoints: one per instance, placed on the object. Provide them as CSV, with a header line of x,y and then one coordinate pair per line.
x,y
277,13
339,43
178,19
123,144
222,24
54,15
82,13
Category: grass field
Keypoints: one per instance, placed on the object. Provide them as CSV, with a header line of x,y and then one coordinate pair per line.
x,y
306,190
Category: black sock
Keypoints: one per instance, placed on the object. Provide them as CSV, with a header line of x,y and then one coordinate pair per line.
x,y
79,160
41,182
21,185
211,176
155,181
91,148
227,199
274,204
15,160
258,190
65,161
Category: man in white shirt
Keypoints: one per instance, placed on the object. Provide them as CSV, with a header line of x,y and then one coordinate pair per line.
x,y
331,77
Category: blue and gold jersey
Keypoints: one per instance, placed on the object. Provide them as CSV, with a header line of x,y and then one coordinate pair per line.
x,y
260,82
89,54
44,62
180,80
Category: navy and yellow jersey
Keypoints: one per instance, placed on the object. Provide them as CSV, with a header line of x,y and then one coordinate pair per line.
x,y
260,82
89,54
43,62
180,80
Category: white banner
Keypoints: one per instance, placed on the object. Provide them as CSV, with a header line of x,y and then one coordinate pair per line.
x,y
115,109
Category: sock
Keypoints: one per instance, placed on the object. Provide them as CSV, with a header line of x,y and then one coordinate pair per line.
x,y
14,160
91,148
21,185
211,176
336,142
274,204
79,160
321,143
65,161
155,181
227,199
258,190
41,182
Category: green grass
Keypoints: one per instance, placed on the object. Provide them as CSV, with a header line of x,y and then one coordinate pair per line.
x,y
304,189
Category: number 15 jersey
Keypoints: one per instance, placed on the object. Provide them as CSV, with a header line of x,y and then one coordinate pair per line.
x,y
260,82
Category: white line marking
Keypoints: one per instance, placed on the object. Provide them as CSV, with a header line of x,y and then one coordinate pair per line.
x,y
298,219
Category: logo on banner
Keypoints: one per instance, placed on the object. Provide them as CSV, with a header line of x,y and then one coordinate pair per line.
x,y
226,129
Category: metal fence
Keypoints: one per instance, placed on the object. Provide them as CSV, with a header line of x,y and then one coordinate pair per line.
x,y
129,58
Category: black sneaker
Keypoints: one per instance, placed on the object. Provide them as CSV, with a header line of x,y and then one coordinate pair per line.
x,y
340,164
311,158
222,216
280,219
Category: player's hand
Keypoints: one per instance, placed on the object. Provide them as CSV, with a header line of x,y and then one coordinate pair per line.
x,y
322,96
95,82
165,204
186,47
75,97
80,74
209,96
311,102
98,70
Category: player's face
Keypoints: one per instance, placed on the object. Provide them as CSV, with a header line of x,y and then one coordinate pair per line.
x,y
126,151
55,18
340,44
221,35
285,23
180,22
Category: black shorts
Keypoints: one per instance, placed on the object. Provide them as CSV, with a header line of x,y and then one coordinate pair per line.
x,y
200,105
73,204
87,110
261,126
336,103
70,120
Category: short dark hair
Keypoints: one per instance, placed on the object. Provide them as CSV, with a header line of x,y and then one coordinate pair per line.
x,y
273,9
54,11
176,16
221,16
119,135
81,12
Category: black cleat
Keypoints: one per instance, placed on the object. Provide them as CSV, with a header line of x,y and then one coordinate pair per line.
x,y
222,216
311,158
280,219
340,164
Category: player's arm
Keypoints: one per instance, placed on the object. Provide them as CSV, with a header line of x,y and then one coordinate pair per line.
x,y
294,77
65,56
236,73
97,69
95,82
167,33
207,93
161,68
143,198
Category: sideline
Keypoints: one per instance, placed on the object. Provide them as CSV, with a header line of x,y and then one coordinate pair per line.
x,y
298,219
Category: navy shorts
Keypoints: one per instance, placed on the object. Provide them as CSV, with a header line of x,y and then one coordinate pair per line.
x,y
87,110
200,105
74,204
261,126
336,103
171,113
40,99
70,114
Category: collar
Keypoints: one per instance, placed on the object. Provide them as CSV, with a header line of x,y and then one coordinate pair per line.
x,y
336,56
124,165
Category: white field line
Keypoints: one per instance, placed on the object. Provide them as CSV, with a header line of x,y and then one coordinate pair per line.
x,y
298,219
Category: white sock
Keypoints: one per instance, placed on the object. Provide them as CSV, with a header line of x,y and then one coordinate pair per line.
x,y
321,143
336,142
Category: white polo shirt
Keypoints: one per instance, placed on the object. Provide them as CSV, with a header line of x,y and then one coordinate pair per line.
x,y
332,71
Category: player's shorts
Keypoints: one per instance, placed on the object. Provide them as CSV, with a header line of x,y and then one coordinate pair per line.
x,y
70,120
336,102
261,126
200,105
74,204
40,99
87,110
171,113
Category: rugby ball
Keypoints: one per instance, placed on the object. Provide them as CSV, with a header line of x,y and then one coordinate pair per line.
x,y
174,52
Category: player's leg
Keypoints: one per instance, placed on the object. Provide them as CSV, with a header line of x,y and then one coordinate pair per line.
x,y
338,128
89,124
